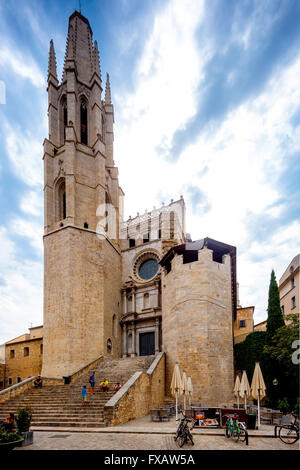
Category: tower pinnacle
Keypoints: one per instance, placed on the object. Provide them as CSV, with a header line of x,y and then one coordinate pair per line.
x,y
52,61
107,91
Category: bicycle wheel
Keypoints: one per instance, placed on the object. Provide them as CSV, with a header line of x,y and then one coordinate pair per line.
x,y
236,435
242,435
288,434
228,431
182,440
189,435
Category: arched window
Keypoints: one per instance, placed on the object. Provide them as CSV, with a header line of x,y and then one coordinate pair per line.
x,y
83,121
63,118
114,326
129,304
61,200
102,128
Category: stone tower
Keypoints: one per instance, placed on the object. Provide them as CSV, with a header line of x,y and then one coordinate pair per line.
x,y
198,309
82,210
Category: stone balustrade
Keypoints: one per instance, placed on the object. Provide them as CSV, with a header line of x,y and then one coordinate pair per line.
x,y
143,391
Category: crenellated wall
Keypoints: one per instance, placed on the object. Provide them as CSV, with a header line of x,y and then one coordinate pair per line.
x,y
197,326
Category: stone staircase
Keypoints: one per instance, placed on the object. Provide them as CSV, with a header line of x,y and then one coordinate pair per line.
x,y
60,406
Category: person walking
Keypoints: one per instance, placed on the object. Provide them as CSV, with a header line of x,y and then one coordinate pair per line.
x,y
92,383
83,395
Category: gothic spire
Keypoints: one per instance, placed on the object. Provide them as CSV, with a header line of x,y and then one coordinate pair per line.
x,y
107,91
79,48
52,61
96,60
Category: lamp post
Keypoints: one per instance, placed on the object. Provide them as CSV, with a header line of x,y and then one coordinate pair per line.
x,y
275,383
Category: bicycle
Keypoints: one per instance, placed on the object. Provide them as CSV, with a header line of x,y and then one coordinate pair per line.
x,y
183,432
289,433
236,429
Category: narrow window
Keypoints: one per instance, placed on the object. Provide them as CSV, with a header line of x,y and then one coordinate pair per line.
x,y
146,300
293,302
41,349
131,242
145,237
9,381
26,352
12,353
83,122
292,283
242,323
282,309
61,200
19,380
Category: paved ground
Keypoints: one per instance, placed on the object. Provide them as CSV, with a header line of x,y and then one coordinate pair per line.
x,y
143,434
132,441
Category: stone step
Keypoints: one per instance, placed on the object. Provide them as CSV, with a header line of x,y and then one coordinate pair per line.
x,y
91,424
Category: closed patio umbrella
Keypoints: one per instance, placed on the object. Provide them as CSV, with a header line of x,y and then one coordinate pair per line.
x,y
176,385
258,388
236,389
245,388
184,388
190,388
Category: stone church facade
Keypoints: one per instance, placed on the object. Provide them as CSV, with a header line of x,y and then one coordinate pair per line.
x,y
122,288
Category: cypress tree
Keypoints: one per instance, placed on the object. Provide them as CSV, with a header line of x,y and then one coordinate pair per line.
x,y
275,317
275,320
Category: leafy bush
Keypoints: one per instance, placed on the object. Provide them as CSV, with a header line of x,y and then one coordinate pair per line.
x,y
283,405
23,419
6,437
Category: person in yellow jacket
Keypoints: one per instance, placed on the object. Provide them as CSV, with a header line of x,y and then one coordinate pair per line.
x,y
104,385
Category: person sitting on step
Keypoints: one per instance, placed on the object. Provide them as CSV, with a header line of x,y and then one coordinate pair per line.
x,y
117,387
9,424
38,382
104,385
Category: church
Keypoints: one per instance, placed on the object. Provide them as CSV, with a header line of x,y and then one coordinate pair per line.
x,y
123,288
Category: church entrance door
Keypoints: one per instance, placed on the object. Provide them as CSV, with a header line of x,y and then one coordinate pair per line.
x,y
147,344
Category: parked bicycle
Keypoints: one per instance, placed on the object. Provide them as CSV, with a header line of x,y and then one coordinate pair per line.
x,y
289,433
236,429
183,433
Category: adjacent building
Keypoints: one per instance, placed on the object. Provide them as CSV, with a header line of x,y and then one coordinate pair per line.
x,y
23,356
289,288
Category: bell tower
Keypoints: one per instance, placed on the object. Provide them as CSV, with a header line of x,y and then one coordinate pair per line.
x,y
82,211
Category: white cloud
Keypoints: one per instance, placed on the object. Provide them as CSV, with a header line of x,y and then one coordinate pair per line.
x,y
22,65
25,153
21,293
243,157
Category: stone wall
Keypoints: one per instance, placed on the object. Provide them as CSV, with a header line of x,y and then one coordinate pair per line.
x,y
197,326
141,393
78,267
241,332
26,361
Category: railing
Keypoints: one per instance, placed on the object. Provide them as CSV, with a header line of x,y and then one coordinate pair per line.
x,y
84,369
15,390
18,389
143,391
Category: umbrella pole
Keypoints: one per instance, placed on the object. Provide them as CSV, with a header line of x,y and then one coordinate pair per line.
x,y
176,407
246,402
238,401
258,412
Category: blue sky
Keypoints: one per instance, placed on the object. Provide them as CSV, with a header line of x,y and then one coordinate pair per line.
x,y
207,105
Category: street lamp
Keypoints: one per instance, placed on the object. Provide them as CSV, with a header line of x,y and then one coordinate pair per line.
x,y
275,382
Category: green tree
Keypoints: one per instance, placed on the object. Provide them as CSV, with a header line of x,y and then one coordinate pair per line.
x,y
281,351
275,317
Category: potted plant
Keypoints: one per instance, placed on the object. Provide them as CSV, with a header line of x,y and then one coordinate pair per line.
x,y
23,420
9,440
